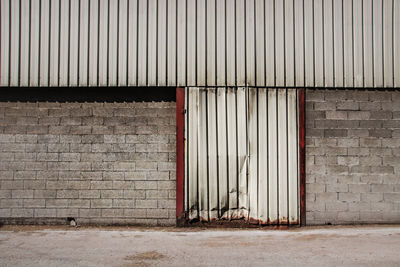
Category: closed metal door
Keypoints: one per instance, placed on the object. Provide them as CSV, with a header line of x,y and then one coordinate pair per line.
x,y
242,155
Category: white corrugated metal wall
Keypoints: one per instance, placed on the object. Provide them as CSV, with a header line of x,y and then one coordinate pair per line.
x,y
283,43
242,155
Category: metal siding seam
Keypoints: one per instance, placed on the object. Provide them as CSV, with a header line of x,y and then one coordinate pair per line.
x,y
79,43
117,54
59,43
127,42
396,45
9,42
69,44
230,42
49,44
19,43
29,43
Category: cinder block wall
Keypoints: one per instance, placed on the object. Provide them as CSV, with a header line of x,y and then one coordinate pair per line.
x,y
352,156
109,163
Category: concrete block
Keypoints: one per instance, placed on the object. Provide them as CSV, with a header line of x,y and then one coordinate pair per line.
x,y
349,197
134,194
22,193
67,212
142,203
22,213
46,213
101,203
123,203
112,194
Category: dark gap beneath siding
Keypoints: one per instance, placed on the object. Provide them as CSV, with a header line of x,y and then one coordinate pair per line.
x,y
98,94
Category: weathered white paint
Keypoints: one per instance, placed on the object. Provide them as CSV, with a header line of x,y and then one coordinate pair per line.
x,y
242,154
286,43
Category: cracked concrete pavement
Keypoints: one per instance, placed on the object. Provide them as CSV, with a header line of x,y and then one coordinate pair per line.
x,y
141,246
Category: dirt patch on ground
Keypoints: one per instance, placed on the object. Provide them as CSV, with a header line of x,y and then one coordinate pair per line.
x,y
149,255
216,244
143,259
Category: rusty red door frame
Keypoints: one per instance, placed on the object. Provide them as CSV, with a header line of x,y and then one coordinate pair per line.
x,y
302,156
180,160
180,157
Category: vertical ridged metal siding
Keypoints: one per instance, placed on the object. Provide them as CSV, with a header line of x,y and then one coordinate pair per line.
x,y
283,43
242,155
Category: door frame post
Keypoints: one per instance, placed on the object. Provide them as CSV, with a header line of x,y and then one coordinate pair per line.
x,y
302,155
180,155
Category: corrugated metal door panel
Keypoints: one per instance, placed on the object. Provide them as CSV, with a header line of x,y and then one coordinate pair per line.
x,y
213,184
272,156
230,209
252,176
263,155
293,155
203,183
242,155
282,157
191,148
225,142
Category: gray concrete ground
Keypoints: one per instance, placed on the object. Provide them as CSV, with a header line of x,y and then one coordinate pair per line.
x,y
135,246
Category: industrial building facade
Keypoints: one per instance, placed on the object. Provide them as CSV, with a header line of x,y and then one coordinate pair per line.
x,y
285,112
